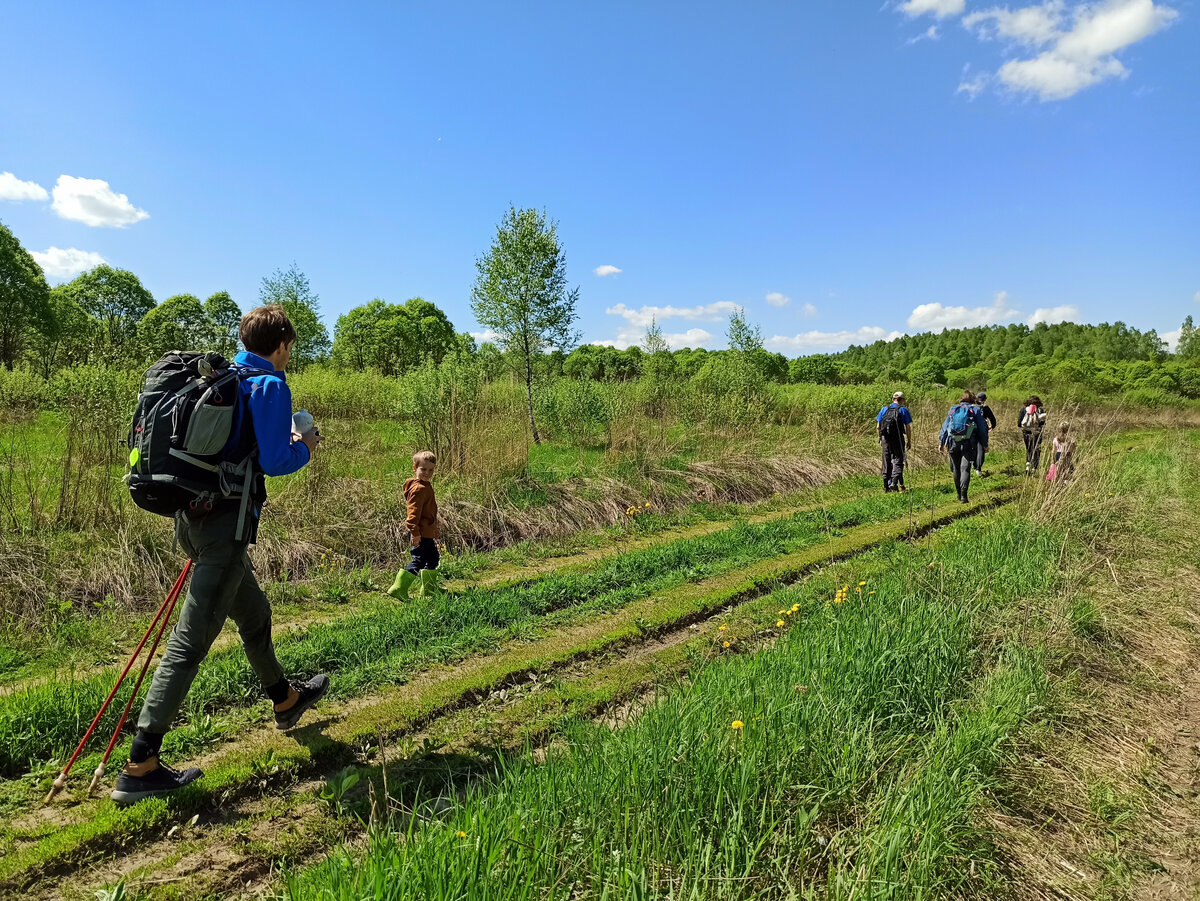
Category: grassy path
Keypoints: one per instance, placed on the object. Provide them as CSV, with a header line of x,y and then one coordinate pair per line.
x,y
438,692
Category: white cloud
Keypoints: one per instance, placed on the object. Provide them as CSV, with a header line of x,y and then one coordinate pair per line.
x,y
809,311
1172,339
693,337
939,8
1052,315
929,34
637,321
485,336
642,317
1078,57
824,341
933,317
629,337
776,299
1196,297
12,188
60,264
92,202
973,87
606,270
1033,25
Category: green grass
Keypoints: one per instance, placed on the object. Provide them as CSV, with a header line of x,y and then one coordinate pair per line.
x,y
389,640
680,803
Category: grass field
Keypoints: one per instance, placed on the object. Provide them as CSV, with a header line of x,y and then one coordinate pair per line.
x,y
772,681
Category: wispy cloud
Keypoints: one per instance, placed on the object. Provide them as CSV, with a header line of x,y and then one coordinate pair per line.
x,y
809,311
807,342
606,270
776,299
628,337
92,202
486,336
929,34
61,264
1074,42
939,8
935,317
642,316
12,188
1052,315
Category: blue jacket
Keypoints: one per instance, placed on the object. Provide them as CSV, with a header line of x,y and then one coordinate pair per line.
x,y
269,401
980,426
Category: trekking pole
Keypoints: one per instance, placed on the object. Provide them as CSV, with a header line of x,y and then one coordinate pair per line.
x,y
169,602
112,742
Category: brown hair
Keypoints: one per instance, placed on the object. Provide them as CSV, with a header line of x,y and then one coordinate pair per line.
x,y
967,398
424,457
263,329
1035,400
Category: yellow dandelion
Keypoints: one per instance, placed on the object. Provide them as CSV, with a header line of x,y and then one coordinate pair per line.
x,y
795,608
725,645
722,628
736,724
779,624
461,834
861,584
870,592
647,503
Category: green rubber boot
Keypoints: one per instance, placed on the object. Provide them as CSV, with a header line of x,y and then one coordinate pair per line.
x,y
429,583
399,589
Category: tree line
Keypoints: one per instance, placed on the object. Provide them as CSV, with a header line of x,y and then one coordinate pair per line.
x,y
521,295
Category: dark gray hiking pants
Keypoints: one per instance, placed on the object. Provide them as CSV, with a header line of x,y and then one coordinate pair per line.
x,y
962,455
893,465
222,586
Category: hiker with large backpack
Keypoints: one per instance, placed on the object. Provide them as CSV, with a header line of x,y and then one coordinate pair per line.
x,y
894,424
1032,419
960,436
204,434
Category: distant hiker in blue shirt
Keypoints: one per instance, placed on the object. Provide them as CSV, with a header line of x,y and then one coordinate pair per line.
x,y
961,434
894,424
223,584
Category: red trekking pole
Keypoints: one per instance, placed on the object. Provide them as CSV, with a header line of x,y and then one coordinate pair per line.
x,y
160,619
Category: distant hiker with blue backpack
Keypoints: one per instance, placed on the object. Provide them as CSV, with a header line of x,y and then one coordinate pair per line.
x,y
204,434
961,433
894,424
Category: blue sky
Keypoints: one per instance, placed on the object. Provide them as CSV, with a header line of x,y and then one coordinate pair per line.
x,y
842,170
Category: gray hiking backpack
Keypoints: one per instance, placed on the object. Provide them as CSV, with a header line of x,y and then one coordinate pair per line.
x,y
180,453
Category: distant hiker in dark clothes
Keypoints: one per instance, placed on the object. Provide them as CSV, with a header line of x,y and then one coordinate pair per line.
x,y
1031,419
894,424
990,419
960,437
223,584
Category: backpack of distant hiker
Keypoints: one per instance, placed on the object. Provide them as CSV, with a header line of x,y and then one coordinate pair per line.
x,y
962,423
891,426
1033,418
179,442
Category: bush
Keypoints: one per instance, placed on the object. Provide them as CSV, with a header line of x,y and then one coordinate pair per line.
x,y
23,391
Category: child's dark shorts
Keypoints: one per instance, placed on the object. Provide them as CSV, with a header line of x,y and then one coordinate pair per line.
x,y
424,556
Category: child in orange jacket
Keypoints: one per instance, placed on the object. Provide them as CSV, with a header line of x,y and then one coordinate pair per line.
x,y
422,530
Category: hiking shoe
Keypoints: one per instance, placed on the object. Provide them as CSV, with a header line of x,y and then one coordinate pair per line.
x,y
309,693
159,781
